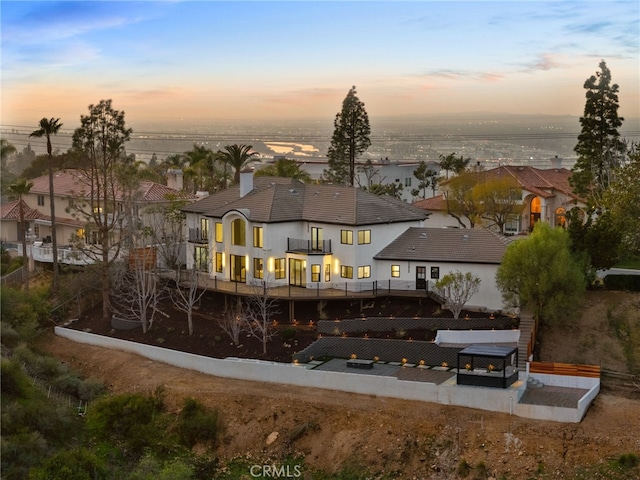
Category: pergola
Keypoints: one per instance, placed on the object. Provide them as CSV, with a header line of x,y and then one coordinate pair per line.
x,y
487,366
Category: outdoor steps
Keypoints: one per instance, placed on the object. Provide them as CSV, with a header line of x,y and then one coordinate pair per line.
x,y
526,327
534,383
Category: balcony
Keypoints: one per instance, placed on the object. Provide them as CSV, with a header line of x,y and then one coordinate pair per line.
x,y
197,235
310,247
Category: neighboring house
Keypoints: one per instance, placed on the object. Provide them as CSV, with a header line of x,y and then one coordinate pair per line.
x,y
313,236
546,196
69,189
425,255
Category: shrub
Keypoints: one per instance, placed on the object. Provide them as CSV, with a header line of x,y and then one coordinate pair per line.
x,y
20,452
288,334
622,282
628,460
15,384
196,424
76,464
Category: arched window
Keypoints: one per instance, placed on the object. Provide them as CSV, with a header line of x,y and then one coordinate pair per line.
x,y
238,232
534,212
561,217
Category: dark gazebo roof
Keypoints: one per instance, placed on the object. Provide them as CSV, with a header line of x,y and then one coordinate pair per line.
x,y
493,351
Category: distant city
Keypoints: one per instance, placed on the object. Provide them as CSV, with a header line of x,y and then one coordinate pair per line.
x,y
491,139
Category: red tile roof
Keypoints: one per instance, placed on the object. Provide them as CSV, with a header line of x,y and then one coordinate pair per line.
x,y
11,211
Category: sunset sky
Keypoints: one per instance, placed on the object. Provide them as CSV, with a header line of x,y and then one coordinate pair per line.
x,y
165,62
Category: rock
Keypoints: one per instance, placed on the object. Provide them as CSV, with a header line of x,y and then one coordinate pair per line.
x,y
273,436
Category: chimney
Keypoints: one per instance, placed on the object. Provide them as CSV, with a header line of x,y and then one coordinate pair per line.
x,y
174,178
246,181
556,162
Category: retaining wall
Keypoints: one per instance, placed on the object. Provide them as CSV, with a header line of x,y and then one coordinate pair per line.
x,y
448,393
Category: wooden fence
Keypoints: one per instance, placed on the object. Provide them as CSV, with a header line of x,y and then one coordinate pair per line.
x,y
570,369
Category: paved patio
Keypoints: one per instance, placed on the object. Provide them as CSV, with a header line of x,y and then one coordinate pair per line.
x,y
553,396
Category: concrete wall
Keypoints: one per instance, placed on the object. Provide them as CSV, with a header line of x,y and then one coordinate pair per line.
x,y
467,337
497,400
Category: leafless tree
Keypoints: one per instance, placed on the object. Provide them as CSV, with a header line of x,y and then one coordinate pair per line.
x,y
457,288
233,322
259,312
187,292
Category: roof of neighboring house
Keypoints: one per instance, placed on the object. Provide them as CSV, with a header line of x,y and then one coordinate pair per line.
x,y
11,211
276,199
446,245
70,183
436,203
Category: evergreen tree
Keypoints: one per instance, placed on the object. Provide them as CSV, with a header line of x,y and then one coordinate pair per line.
x,y
350,139
600,149
427,178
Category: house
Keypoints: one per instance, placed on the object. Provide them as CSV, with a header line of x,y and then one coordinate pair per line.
x,y
302,235
546,195
425,255
69,189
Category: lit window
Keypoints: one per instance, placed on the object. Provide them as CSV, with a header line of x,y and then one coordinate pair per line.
x,y
219,262
257,237
219,235
346,271
315,273
395,271
364,271
364,236
258,268
346,237
280,268
238,232
327,272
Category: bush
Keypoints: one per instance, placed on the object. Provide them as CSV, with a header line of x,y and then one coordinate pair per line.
x,y
15,384
196,424
628,460
21,452
288,334
622,282
76,464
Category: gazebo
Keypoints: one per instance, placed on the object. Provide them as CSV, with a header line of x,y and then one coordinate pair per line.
x,y
487,366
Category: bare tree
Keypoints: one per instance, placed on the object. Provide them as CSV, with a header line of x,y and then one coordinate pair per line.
x,y
233,322
260,308
457,288
166,224
187,293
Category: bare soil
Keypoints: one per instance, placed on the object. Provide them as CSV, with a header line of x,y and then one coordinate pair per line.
x,y
404,439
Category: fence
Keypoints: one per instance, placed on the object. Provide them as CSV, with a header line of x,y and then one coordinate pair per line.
x,y
14,278
570,369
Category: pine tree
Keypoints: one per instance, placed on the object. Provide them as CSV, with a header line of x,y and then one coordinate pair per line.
x,y
350,139
600,149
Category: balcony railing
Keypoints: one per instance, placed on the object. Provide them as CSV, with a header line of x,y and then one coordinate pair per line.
x,y
300,245
197,235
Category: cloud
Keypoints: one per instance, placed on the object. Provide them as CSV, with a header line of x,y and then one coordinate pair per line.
x,y
544,62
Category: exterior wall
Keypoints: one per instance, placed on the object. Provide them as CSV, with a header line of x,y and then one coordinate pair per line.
x,y
439,219
488,296
9,230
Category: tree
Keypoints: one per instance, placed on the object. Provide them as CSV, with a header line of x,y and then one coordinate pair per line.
x,y
499,199
540,273
20,188
390,189
599,148
451,163
457,288
187,293
370,172
6,177
427,178
598,239
460,200
285,167
233,322
100,140
46,129
350,139
238,157
259,309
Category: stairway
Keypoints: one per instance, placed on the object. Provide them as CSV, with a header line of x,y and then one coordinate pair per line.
x,y
526,327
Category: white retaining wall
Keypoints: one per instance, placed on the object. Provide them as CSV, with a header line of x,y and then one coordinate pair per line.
x,y
492,399
467,337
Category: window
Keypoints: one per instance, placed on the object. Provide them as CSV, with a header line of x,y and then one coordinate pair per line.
x,y
346,237
80,233
395,271
280,266
316,239
364,236
364,271
257,237
407,182
204,229
201,259
219,262
346,271
258,268
435,273
561,219
36,230
327,272
238,268
219,235
72,203
40,200
315,273
238,232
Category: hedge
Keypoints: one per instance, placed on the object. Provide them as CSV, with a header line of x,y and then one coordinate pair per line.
x,y
622,282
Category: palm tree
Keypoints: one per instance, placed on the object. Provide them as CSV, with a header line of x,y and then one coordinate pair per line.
x,y
238,157
19,188
6,177
285,167
48,128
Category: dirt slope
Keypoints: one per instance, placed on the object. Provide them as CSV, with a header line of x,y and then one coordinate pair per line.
x,y
412,439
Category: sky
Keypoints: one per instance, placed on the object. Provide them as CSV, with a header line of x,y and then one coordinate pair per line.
x,y
210,61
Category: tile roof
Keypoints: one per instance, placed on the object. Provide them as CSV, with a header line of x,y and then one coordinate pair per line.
x,y
11,211
69,183
436,203
276,199
446,245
